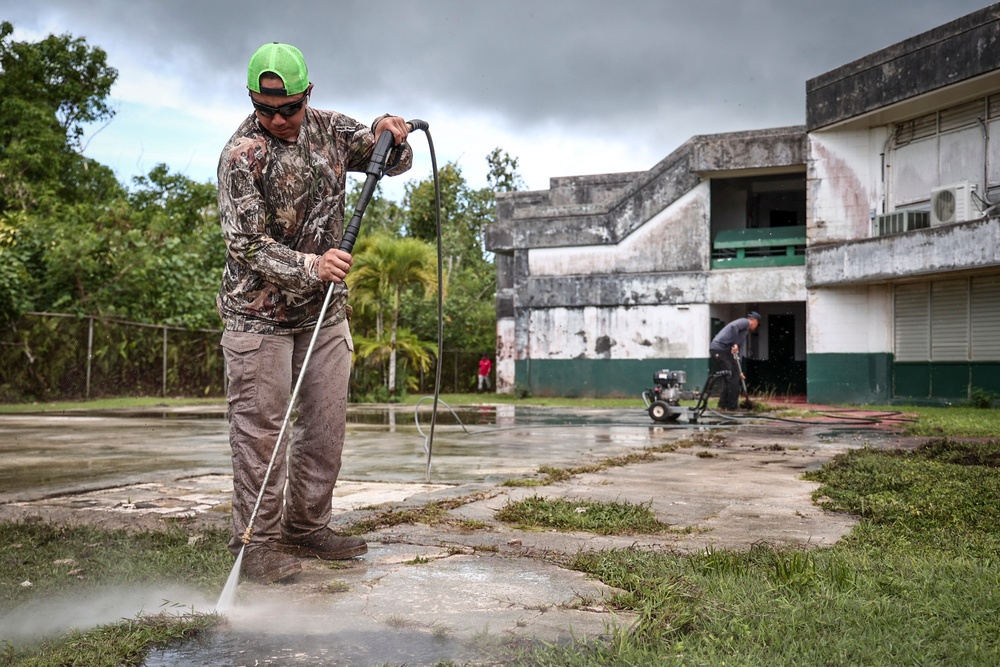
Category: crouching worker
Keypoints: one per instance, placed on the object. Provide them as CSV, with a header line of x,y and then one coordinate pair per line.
x,y
725,350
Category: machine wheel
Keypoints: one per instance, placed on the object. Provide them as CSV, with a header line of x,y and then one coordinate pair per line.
x,y
659,411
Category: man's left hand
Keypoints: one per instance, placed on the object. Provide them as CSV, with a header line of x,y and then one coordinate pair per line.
x,y
396,125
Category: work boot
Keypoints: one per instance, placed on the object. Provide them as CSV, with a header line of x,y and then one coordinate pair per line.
x,y
325,545
266,565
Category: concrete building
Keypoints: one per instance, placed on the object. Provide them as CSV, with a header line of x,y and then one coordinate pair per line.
x,y
868,239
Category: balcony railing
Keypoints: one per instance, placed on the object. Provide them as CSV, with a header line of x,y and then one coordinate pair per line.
x,y
769,246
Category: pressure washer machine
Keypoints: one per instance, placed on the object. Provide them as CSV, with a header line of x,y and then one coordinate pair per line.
x,y
663,400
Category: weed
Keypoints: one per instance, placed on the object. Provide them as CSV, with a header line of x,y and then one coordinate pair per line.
x,y
618,518
981,398
430,514
553,475
417,560
335,586
525,482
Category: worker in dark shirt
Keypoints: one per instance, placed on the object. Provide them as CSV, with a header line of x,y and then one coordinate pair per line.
x,y
725,350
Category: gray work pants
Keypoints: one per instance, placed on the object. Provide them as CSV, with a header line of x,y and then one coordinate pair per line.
x,y
262,371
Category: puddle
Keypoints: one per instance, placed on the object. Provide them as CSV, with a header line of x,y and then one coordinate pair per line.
x,y
410,416
56,455
854,435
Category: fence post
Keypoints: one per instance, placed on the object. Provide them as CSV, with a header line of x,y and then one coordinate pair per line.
x,y
90,353
164,362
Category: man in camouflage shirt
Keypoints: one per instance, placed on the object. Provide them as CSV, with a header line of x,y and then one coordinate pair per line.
x,y
281,207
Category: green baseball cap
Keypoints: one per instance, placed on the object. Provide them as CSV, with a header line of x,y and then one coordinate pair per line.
x,y
282,60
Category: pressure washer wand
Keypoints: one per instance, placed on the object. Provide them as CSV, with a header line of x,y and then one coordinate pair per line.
x,y
747,403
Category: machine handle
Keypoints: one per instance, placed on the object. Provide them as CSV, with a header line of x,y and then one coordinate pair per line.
x,y
375,170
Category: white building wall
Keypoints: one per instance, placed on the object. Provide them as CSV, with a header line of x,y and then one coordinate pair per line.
x,y
652,248
782,284
844,184
506,355
850,320
639,332
967,154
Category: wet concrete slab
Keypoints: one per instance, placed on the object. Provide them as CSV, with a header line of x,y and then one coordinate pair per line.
x,y
433,592
406,604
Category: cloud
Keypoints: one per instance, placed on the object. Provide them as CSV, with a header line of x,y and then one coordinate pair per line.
x,y
566,86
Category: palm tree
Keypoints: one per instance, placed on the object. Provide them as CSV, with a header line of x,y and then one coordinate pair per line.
x,y
383,267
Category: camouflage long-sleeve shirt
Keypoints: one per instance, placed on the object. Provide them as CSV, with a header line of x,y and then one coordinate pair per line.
x,y
281,206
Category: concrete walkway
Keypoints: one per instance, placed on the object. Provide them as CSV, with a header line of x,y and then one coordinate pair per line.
x,y
441,591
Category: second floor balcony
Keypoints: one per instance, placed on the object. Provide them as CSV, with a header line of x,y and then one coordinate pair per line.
x,y
762,247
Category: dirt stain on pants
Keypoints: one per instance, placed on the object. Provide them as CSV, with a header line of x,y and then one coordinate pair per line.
x,y
262,371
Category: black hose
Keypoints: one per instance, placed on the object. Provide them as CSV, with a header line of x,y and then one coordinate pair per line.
x,y
376,169
429,446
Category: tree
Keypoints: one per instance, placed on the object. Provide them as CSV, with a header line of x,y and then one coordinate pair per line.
x,y
470,313
49,91
153,255
503,176
384,268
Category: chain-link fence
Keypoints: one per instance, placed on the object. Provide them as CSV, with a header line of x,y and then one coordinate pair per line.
x,y
46,356
49,357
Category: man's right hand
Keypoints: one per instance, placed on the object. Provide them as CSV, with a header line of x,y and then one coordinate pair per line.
x,y
334,265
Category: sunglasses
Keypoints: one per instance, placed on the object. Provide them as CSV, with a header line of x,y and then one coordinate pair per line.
x,y
286,110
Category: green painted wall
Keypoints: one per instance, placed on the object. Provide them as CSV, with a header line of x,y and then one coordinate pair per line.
x,y
855,379
986,376
848,378
945,381
876,378
601,377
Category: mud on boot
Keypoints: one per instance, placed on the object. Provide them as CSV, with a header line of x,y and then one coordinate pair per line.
x,y
267,565
325,545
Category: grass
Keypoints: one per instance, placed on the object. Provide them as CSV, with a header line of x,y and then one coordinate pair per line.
x,y
125,643
56,559
954,421
70,562
108,404
915,583
616,518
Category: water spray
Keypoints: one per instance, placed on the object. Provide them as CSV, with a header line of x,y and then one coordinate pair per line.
x,y
377,167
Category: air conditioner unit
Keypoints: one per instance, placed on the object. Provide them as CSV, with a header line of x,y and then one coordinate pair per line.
x,y
900,221
953,203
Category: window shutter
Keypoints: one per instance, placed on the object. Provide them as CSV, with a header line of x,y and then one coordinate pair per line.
x,y
912,312
950,320
985,300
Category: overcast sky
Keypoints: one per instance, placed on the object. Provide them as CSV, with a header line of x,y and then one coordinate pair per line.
x,y
565,86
